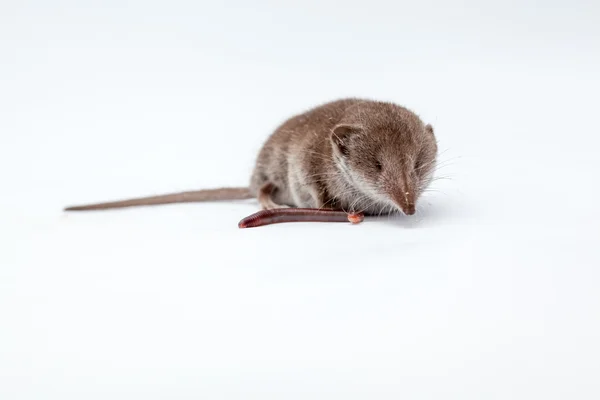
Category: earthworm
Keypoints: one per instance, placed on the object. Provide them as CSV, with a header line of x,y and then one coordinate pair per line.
x,y
278,215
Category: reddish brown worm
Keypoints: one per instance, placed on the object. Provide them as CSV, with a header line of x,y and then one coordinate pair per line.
x,y
278,215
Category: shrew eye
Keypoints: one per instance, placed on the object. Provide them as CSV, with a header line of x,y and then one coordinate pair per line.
x,y
418,164
378,166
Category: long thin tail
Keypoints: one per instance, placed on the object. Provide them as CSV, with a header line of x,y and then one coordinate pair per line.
x,y
183,197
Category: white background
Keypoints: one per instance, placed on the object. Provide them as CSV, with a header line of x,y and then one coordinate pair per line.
x,y
491,292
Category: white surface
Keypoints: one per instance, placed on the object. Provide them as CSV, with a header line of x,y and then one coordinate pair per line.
x,y
491,293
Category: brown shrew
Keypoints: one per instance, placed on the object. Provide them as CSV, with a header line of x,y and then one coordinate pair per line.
x,y
355,155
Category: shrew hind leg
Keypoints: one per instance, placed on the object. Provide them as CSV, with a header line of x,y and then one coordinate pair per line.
x,y
265,197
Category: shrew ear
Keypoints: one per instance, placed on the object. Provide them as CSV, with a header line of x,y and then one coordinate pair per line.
x,y
340,136
429,129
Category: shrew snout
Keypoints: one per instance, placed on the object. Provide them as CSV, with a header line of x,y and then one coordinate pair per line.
x,y
409,209
405,199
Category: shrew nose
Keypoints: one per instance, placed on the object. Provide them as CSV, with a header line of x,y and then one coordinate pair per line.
x,y
406,201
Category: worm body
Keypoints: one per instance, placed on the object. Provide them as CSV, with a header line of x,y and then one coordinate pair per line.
x,y
279,215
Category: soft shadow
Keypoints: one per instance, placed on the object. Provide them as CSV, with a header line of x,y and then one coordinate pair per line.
x,y
430,212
